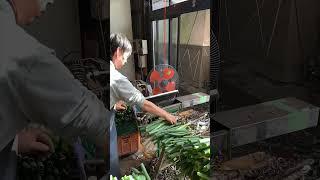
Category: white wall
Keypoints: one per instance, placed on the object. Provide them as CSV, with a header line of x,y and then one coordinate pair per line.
x,y
120,21
59,27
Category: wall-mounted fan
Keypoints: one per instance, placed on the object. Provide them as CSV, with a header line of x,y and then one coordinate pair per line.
x,y
163,78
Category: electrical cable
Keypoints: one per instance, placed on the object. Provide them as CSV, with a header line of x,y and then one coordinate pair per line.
x,y
228,22
101,29
299,30
274,27
260,23
194,22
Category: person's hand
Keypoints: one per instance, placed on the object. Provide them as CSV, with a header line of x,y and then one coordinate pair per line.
x,y
120,106
34,141
171,119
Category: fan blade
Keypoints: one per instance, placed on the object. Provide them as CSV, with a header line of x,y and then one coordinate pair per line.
x,y
171,86
168,73
155,76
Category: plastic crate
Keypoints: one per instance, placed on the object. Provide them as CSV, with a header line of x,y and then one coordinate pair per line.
x,y
128,144
126,128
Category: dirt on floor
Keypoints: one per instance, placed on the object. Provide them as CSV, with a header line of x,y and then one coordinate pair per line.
x,y
145,154
295,155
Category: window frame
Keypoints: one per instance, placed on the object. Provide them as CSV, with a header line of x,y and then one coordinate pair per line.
x,y
172,11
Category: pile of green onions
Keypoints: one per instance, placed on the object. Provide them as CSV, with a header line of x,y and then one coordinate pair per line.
x,y
190,153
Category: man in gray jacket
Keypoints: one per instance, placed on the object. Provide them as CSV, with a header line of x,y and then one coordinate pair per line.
x,y
37,87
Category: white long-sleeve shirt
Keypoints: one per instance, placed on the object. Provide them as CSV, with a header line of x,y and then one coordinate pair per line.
x,y
35,86
122,89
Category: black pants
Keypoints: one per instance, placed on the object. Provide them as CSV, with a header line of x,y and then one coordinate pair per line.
x,y
8,163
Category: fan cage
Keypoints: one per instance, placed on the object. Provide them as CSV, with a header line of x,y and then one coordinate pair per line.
x,y
161,67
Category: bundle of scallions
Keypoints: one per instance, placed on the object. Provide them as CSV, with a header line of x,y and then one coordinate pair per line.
x,y
190,153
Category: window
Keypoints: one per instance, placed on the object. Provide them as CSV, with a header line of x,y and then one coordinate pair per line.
x,y
183,41
161,41
194,47
174,42
176,1
154,42
165,41
159,4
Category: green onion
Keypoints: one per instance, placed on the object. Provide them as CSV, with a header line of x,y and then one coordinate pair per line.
x,y
145,171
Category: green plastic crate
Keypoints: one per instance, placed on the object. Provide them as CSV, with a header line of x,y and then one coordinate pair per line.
x,y
128,124
127,128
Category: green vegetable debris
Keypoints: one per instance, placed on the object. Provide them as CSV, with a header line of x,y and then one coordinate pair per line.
x,y
136,174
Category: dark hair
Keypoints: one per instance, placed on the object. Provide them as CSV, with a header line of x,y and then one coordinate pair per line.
x,y
118,40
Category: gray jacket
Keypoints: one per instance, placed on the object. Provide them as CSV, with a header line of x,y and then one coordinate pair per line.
x,y
36,87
